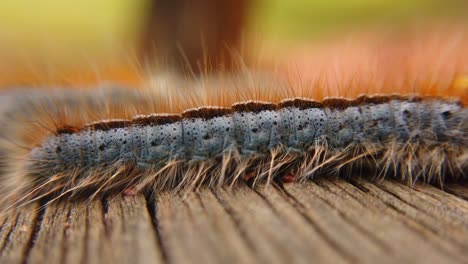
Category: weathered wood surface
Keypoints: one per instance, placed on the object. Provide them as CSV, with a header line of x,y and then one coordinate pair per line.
x,y
324,221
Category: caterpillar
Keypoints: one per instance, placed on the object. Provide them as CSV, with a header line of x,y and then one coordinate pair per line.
x,y
69,145
405,136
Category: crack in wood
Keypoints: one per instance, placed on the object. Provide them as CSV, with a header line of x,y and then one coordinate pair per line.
x,y
105,214
368,234
37,224
403,215
235,219
7,238
152,207
299,207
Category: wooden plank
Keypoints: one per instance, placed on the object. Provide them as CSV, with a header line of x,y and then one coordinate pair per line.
x,y
62,234
338,235
460,190
327,220
427,228
74,233
450,214
129,231
80,232
179,239
97,248
446,196
5,226
380,222
213,222
18,234
49,239
197,229
276,236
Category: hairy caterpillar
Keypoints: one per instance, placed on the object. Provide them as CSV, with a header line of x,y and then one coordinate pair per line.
x,y
411,137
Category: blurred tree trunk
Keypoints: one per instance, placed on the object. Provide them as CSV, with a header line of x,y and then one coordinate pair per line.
x,y
194,35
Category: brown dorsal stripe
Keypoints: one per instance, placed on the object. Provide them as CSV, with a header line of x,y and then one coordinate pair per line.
x,y
415,99
206,112
433,98
399,97
407,98
251,106
155,120
378,99
107,125
339,103
67,130
254,107
300,103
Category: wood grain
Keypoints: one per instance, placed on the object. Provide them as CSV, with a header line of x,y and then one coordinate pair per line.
x,y
324,221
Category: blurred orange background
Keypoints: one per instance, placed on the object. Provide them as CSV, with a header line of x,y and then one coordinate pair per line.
x,y
88,42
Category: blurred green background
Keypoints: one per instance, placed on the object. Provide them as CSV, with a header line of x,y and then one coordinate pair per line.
x,y
90,22
58,33
84,23
299,19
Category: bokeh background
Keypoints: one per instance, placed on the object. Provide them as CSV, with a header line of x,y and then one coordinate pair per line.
x,y
89,41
